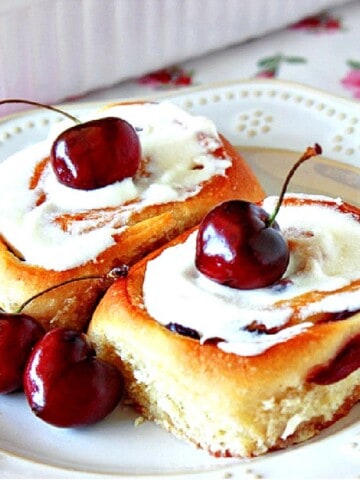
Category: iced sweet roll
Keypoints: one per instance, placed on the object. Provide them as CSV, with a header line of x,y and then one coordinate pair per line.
x,y
52,233
243,371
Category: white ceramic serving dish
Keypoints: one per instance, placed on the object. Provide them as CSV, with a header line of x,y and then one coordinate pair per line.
x,y
271,122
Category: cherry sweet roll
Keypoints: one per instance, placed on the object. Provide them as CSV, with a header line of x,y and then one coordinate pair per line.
x,y
243,371
53,232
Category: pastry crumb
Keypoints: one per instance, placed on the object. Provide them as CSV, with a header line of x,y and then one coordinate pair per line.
x,y
139,421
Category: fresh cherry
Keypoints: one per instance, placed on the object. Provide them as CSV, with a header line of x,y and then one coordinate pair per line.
x,y
66,385
96,153
18,335
240,245
235,247
92,154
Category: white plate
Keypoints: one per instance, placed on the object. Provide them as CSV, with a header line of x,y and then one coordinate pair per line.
x,y
271,122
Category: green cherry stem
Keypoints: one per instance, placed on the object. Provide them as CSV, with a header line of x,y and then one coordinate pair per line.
x,y
42,105
309,152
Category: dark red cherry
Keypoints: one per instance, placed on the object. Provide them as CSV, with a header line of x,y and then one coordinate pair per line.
x,y
236,247
66,385
240,245
92,154
18,334
96,153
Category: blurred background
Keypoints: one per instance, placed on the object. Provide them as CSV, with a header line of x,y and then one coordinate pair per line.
x,y
56,51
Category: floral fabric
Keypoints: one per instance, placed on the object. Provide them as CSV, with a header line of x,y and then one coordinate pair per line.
x,y
321,51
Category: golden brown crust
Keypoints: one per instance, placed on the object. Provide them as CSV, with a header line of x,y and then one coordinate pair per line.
x,y
228,404
72,304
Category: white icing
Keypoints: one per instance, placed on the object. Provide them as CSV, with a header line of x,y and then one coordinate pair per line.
x,y
177,148
292,425
175,291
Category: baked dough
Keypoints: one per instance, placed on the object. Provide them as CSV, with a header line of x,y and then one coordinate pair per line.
x,y
227,403
72,303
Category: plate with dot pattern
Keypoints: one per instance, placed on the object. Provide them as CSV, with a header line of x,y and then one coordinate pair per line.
x,y
270,122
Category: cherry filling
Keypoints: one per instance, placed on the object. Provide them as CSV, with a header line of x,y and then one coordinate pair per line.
x,y
345,362
191,333
181,330
342,315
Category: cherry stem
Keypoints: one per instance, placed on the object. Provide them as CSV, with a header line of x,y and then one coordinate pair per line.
x,y
53,287
115,273
309,153
42,105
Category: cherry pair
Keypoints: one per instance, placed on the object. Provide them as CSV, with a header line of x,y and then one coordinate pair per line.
x,y
64,382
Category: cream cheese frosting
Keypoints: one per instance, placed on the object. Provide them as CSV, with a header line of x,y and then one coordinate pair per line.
x,y
177,151
324,256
